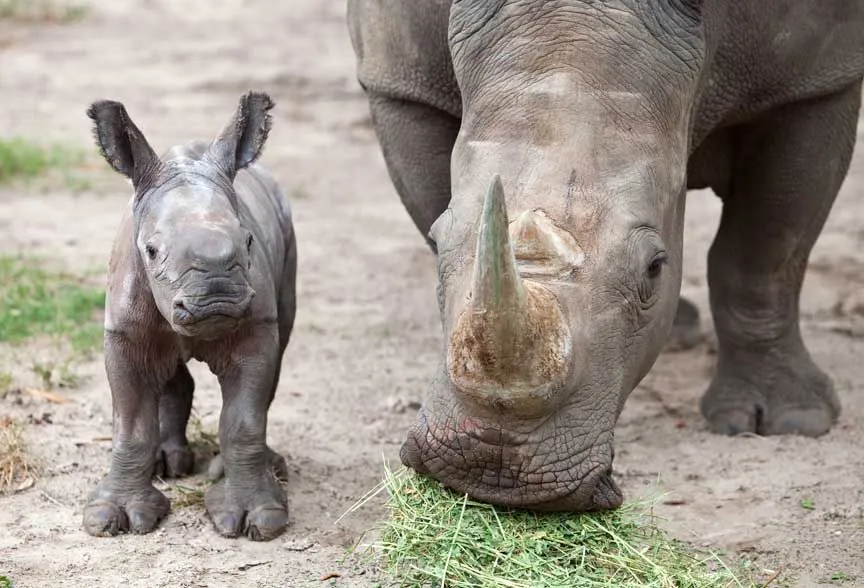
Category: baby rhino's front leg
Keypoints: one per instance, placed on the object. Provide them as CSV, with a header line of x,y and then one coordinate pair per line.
x,y
249,500
126,499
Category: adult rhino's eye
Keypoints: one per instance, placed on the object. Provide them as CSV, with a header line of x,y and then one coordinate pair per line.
x,y
249,240
150,251
656,266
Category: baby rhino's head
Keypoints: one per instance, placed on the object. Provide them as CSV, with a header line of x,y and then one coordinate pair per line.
x,y
196,253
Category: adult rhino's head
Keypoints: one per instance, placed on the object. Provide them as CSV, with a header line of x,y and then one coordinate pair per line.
x,y
189,239
560,255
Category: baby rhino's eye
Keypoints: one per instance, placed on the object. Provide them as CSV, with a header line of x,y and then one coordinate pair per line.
x,y
249,240
151,252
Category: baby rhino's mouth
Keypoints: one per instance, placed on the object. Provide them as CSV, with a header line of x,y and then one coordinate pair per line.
x,y
549,469
212,315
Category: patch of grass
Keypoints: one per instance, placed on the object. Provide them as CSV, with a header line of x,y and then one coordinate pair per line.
x,y
435,537
5,384
16,464
203,442
187,496
808,504
5,582
22,158
39,302
42,11
53,375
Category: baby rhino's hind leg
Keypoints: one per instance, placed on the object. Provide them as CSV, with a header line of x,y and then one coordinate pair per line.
x,y
175,458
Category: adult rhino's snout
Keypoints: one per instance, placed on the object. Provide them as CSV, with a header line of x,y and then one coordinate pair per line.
x,y
510,346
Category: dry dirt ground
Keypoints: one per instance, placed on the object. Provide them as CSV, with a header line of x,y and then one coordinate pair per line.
x,y
367,330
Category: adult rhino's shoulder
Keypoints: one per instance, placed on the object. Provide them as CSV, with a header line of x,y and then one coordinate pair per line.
x,y
402,50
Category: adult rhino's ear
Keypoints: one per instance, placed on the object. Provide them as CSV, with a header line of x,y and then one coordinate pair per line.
x,y
242,140
121,143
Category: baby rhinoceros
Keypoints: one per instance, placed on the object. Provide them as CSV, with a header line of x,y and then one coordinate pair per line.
x,y
204,267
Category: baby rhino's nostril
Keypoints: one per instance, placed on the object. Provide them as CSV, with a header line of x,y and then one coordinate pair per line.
x,y
178,304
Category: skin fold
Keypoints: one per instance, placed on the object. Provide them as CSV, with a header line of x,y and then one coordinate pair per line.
x,y
545,150
203,267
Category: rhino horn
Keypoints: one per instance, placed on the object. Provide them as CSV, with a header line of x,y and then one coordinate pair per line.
x,y
512,337
497,287
543,248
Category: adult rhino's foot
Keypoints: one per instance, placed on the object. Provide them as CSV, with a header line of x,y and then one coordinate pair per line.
x,y
174,460
686,330
770,393
112,511
255,508
275,464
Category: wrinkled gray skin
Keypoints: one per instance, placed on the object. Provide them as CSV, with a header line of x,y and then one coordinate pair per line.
x,y
559,284
204,267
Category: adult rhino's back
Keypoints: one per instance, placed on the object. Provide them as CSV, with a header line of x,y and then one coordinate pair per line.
x,y
774,52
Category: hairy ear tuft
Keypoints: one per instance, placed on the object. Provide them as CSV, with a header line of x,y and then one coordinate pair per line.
x,y
242,140
120,142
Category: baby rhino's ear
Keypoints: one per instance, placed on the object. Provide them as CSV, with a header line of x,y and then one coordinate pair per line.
x,y
121,143
242,140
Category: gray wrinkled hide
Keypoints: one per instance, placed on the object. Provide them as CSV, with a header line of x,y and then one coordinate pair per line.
x,y
203,267
596,118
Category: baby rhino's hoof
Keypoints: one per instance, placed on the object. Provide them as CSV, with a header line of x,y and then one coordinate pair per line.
x,y
174,461
258,510
109,513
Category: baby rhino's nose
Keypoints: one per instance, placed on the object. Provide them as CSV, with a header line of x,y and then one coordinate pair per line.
x,y
212,250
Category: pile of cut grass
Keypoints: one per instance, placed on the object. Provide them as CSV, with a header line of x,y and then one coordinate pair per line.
x,y
435,537
38,302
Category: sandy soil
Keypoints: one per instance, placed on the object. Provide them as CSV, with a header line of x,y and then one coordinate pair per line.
x,y
367,331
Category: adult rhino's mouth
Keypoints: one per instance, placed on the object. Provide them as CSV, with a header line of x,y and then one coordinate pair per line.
x,y
549,469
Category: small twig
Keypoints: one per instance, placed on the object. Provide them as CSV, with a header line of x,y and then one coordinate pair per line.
x,y
773,577
47,395
248,566
52,499
330,576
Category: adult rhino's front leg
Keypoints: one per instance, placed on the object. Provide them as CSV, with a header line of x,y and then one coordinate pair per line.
x,y
788,170
249,500
404,67
126,499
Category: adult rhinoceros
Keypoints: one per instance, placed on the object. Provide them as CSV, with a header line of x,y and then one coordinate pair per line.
x,y
546,148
